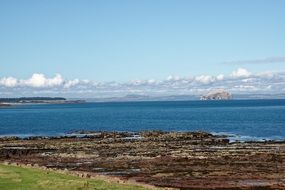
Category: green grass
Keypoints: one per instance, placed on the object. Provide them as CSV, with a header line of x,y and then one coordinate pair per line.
x,y
18,178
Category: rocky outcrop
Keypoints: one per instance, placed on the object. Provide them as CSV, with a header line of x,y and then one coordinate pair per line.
x,y
218,94
183,160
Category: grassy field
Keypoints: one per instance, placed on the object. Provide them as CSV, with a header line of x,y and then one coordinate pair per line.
x,y
18,178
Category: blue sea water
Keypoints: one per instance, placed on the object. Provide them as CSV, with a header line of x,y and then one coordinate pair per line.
x,y
252,119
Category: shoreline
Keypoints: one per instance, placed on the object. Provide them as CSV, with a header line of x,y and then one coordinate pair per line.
x,y
163,159
137,134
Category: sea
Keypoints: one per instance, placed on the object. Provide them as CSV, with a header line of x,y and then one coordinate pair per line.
x,y
242,120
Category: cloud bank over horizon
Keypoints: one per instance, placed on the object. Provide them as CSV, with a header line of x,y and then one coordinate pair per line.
x,y
267,60
240,81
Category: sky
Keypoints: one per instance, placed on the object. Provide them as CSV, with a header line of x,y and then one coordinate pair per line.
x,y
54,47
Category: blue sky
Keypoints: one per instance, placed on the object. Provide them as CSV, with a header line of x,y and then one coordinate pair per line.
x,y
53,43
126,40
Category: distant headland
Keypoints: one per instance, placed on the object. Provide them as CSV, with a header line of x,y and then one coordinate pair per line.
x,y
37,100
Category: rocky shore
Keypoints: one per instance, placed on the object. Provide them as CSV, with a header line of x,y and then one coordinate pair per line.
x,y
182,160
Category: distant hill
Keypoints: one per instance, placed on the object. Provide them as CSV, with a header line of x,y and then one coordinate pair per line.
x,y
130,98
217,94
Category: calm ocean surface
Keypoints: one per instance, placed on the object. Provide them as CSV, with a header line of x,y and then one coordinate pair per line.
x,y
249,119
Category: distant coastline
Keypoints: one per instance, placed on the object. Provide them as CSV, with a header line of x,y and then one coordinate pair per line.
x,y
4,105
4,102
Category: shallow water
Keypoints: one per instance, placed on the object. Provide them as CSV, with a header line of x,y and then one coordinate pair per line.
x,y
249,119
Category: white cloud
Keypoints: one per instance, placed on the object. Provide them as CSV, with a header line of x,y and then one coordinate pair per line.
x,y
136,82
239,81
267,74
220,77
241,72
205,79
8,82
71,83
40,81
245,87
56,81
151,81
247,80
173,78
37,80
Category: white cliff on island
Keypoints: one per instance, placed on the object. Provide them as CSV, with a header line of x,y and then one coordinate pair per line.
x,y
217,94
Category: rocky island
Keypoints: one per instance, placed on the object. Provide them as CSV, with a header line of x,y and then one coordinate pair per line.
x,y
217,94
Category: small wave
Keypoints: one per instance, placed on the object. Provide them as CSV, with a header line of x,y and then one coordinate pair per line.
x,y
245,138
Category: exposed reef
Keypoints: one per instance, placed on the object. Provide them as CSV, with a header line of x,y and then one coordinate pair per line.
x,y
183,160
